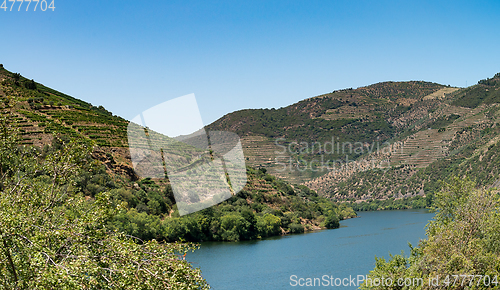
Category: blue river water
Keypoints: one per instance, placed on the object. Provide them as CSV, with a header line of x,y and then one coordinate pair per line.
x,y
279,263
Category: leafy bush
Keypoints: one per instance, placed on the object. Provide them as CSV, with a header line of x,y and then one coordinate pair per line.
x,y
462,238
55,238
296,228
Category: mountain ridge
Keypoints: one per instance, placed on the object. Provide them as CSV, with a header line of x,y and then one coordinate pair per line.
x,y
423,125
266,206
429,123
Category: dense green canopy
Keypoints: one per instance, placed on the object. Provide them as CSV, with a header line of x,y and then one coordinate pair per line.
x,y
52,237
462,249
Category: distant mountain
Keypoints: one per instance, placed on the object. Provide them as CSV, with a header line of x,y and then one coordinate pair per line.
x,y
387,140
38,112
383,141
297,135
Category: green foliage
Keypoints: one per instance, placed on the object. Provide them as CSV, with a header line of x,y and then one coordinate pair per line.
x,y
485,92
397,269
332,220
268,225
52,237
467,224
253,213
16,76
443,121
392,204
31,85
491,81
461,240
296,228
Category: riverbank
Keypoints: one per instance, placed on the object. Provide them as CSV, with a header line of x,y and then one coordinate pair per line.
x,y
350,250
415,202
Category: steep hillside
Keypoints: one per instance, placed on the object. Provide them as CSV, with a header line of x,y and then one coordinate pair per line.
x,y
267,206
389,140
485,92
292,142
449,140
48,119
39,112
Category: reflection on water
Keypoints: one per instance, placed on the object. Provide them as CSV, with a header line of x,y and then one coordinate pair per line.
x,y
349,250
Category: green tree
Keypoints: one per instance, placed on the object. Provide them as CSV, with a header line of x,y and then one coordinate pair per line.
x,y
269,225
331,220
30,85
16,76
52,237
250,230
232,225
463,239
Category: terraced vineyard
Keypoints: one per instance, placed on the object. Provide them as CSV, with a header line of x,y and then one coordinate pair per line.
x,y
420,125
415,127
39,111
422,148
449,139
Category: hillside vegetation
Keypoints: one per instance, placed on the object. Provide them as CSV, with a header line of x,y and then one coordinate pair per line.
x,y
285,137
54,236
38,111
387,141
391,141
461,250
449,141
389,145
267,206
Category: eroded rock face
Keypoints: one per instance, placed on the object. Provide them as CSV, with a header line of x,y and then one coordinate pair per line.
x,y
116,160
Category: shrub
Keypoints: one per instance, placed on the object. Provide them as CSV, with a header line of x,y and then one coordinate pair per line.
x,y
296,228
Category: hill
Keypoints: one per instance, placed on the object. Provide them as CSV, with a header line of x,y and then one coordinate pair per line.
x,y
267,206
294,136
39,112
448,140
47,119
387,141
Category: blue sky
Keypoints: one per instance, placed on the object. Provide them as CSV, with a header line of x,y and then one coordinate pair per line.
x,y
131,55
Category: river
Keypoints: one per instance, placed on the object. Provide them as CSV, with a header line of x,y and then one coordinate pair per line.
x,y
279,263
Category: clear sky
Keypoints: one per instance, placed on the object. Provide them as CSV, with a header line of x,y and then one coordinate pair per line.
x,y
131,55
